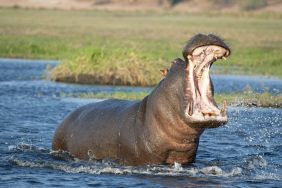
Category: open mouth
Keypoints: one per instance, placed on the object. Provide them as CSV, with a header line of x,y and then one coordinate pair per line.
x,y
200,108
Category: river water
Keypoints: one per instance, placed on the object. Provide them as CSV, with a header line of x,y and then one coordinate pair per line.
x,y
244,153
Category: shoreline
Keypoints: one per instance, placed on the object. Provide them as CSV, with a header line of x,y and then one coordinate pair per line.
x,y
23,60
57,62
246,98
243,99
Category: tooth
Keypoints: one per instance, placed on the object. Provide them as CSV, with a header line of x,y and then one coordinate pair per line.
x,y
190,109
223,57
224,108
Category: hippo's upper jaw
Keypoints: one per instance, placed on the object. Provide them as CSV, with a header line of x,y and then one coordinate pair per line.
x,y
200,109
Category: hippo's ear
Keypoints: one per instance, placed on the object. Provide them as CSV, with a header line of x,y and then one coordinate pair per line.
x,y
164,71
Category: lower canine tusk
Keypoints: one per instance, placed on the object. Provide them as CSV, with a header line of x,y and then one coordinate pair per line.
x,y
190,109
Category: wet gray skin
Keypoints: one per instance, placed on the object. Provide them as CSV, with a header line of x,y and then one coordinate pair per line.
x,y
164,127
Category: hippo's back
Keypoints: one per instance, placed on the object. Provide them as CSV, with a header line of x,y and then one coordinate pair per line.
x,y
91,124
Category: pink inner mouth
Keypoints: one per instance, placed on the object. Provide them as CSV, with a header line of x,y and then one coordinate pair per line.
x,y
199,103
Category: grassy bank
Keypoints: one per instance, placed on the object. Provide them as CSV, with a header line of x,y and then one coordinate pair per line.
x,y
129,48
246,98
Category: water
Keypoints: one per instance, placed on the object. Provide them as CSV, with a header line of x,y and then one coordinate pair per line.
x,y
244,153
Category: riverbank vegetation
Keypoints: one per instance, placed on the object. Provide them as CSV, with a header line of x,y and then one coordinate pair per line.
x,y
129,48
246,98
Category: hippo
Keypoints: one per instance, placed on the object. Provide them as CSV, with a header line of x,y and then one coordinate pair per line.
x,y
164,127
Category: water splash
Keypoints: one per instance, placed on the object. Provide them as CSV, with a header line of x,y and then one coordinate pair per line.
x,y
104,168
256,162
64,161
24,147
177,166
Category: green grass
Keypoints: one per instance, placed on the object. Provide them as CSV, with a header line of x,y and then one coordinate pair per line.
x,y
246,98
129,48
103,95
251,99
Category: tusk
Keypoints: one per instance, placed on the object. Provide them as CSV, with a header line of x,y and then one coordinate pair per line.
x,y
223,57
190,109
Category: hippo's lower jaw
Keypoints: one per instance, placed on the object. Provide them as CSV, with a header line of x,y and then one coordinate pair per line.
x,y
200,109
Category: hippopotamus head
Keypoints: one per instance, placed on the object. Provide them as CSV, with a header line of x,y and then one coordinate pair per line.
x,y
200,108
